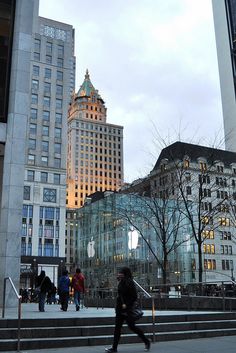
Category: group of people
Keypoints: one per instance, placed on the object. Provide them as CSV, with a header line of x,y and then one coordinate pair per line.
x,y
127,296
44,286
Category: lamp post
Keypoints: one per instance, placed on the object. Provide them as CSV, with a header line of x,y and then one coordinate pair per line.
x,y
232,272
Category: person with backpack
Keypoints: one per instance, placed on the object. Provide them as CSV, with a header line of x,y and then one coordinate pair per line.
x,y
64,289
78,286
44,286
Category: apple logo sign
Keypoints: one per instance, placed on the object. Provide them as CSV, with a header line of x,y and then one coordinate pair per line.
x,y
133,236
90,248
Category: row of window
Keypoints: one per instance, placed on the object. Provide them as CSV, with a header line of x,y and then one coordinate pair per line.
x,y
210,264
49,47
46,101
47,87
45,130
44,161
43,177
96,127
45,115
44,146
49,195
47,73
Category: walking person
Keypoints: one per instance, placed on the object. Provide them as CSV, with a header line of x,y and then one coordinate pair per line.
x,y
64,289
127,295
44,285
78,286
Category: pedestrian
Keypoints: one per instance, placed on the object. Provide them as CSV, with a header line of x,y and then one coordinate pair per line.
x,y
63,290
78,286
126,297
44,285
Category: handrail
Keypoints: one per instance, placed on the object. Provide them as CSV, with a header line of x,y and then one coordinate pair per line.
x,y
19,307
153,308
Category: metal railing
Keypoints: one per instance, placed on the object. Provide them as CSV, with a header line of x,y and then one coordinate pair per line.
x,y
153,308
19,307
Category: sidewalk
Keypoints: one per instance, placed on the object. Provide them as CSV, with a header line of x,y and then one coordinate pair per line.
x,y
203,345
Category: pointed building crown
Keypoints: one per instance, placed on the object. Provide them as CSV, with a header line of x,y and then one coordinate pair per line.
x,y
87,89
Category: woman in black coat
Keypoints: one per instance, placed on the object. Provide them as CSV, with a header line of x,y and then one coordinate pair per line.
x,y
127,295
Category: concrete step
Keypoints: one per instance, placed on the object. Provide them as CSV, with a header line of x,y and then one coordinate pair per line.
x,y
68,332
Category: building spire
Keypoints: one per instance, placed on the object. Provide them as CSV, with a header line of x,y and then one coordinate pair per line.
x,y
87,75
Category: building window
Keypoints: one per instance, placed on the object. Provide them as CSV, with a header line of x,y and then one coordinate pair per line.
x,y
60,50
35,70
44,160
44,177
36,56
47,87
34,98
57,132
57,148
48,73
203,166
59,90
224,221
209,264
33,129
46,115
58,118
32,144
26,192
46,101
31,159
49,48
58,104
59,62
56,179
57,162
59,75
189,190
45,146
37,44
49,195
33,113
48,59
30,175
35,85
45,130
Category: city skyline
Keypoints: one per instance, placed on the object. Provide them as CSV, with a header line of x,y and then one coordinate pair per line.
x,y
155,65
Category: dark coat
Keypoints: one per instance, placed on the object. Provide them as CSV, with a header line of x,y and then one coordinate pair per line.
x,y
45,283
127,295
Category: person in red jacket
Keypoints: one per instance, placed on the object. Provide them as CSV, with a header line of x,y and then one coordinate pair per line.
x,y
78,285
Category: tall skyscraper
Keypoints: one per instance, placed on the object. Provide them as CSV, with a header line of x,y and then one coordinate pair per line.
x,y
95,147
52,80
225,30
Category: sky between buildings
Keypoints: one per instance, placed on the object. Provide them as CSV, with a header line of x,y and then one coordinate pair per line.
x,y
154,63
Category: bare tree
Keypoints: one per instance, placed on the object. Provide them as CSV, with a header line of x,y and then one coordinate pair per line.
x,y
161,218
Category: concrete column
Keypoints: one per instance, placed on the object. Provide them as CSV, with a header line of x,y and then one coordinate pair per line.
x,y
15,146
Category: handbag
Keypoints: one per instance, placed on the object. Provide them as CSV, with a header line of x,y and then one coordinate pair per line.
x,y
135,313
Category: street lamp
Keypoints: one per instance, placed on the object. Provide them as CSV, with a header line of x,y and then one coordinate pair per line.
x,y
232,271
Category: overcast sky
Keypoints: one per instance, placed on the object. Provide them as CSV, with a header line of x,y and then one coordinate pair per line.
x,y
154,63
